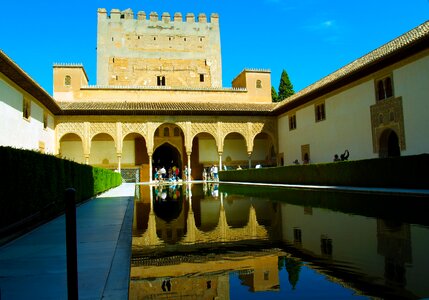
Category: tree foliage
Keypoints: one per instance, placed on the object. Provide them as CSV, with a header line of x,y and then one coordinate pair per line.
x,y
274,95
285,87
293,267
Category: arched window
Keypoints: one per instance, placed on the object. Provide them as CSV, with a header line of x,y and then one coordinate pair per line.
x,y
157,132
258,84
320,112
380,90
67,80
26,108
166,131
176,131
292,122
45,120
388,87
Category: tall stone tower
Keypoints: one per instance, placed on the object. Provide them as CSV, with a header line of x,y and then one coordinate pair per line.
x,y
157,51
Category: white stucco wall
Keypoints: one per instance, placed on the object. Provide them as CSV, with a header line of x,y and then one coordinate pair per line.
x,y
346,244
261,149
15,131
355,241
411,82
101,150
235,148
348,118
347,126
208,150
128,152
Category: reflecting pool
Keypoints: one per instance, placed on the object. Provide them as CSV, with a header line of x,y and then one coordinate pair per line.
x,y
222,241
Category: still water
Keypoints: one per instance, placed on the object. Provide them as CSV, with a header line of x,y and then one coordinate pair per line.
x,y
221,241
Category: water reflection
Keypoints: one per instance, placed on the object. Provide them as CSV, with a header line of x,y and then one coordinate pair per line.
x,y
208,241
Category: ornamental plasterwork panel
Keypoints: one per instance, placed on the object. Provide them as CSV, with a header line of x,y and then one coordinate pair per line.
x,y
207,127
96,128
151,127
270,127
239,127
65,128
108,128
140,128
387,114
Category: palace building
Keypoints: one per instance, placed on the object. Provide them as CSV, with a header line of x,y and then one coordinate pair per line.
x,y
159,101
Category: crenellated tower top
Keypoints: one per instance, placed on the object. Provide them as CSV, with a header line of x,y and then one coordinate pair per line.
x,y
165,17
150,49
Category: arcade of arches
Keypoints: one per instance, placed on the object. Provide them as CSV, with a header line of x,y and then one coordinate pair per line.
x,y
141,144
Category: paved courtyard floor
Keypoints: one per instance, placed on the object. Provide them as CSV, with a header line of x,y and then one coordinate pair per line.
x,y
34,265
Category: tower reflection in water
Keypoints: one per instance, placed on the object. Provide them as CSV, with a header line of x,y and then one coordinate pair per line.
x,y
198,241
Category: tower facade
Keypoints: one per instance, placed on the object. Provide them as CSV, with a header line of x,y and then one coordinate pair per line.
x,y
153,51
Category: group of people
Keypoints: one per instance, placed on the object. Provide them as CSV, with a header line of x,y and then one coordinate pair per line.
x,y
342,157
172,174
211,189
211,173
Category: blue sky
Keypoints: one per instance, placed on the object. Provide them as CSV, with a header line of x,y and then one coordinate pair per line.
x,y
308,38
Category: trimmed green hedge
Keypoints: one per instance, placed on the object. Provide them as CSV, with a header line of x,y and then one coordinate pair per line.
x,y
34,184
397,172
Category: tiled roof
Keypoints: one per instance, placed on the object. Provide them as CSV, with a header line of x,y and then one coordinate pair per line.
x,y
397,49
165,108
23,80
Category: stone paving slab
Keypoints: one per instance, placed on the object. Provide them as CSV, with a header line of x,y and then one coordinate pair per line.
x,y
34,265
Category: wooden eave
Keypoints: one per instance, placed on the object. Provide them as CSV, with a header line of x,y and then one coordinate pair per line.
x,y
11,70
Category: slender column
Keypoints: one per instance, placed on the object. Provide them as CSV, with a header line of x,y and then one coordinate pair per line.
x,y
220,161
250,158
150,168
86,159
119,162
188,178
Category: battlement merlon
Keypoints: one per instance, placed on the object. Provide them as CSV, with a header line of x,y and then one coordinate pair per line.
x,y
117,15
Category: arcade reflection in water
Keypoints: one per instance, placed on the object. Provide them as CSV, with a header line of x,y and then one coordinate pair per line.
x,y
188,239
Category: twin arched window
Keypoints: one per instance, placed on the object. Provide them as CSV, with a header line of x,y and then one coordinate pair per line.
x,y
258,84
166,131
67,80
384,88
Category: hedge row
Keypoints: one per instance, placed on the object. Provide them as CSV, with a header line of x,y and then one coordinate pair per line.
x,y
398,172
34,184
